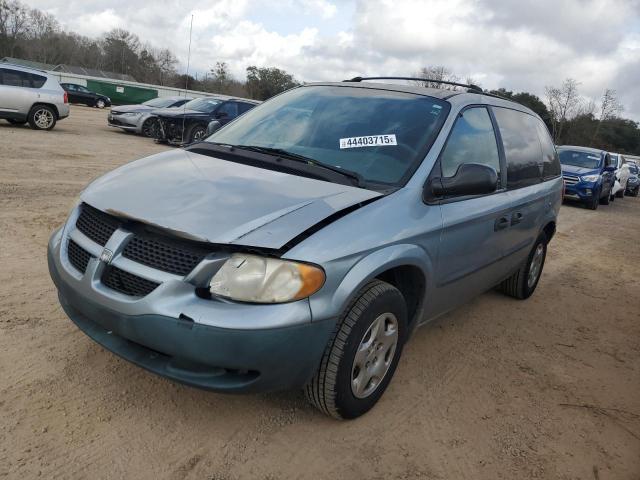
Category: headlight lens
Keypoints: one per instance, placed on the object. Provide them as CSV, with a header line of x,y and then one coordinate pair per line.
x,y
132,114
590,178
256,279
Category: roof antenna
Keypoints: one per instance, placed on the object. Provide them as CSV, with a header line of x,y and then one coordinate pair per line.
x,y
186,81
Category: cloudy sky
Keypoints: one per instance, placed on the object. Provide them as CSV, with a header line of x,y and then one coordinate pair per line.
x,y
519,45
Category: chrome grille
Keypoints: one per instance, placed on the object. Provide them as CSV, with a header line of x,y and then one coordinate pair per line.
x,y
570,179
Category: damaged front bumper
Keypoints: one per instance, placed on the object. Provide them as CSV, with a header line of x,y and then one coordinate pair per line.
x,y
215,345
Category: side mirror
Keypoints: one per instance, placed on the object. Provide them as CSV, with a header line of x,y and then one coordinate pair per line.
x,y
470,179
213,126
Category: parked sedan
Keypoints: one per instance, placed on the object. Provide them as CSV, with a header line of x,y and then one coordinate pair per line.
x,y
138,118
81,94
181,126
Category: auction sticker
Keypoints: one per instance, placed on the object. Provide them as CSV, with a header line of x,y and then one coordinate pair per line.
x,y
368,141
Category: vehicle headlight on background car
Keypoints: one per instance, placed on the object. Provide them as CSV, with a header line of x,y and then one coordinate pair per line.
x,y
256,279
590,178
131,114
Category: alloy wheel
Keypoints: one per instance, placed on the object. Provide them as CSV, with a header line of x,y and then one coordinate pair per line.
x,y
43,118
374,355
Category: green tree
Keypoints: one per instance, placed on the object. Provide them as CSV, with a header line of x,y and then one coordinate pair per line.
x,y
264,83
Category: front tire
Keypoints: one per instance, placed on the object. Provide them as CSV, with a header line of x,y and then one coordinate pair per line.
x,y
100,103
196,133
42,117
149,128
363,353
594,202
620,193
607,198
523,283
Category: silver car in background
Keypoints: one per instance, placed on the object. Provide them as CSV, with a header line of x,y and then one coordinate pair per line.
x,y
138,118
30,95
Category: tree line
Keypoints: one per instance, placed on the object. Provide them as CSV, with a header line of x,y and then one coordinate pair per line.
x,y
30,34
34,35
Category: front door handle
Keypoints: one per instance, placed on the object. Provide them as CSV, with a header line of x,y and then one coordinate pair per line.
x,y
501,224
516,218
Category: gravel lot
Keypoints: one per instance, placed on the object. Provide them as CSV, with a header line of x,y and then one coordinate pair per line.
x,y
547,388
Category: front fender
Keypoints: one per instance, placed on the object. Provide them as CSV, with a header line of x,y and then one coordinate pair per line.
x,y
340,292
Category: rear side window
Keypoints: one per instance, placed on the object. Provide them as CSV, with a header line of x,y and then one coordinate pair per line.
x,y
230,108
15,78
521,147
550,161
245,107
472,140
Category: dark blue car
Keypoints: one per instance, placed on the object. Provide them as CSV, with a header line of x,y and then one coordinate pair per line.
x,y
588,175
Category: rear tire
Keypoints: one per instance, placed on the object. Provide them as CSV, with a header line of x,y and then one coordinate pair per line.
x,y
523,283
42,117
362,354
620,193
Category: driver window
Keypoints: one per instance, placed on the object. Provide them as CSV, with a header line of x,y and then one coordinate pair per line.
x,y
472,140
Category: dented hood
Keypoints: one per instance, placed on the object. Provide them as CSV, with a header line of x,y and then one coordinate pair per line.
x,y
213,200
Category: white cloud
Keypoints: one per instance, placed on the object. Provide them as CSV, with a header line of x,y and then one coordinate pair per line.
x,y
521,46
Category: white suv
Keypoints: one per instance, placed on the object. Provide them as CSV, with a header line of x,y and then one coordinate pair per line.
x,y
30,95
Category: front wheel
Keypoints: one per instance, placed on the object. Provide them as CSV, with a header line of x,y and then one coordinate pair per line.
x,y
42,117
196,134
523,283
149,128
607,198
363,353
100,103
594,202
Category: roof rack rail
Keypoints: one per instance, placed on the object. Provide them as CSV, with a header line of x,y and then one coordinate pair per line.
x,y
471,86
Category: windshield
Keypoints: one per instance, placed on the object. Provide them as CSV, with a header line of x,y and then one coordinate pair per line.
x,y
579,159
204,105
380,135
159,102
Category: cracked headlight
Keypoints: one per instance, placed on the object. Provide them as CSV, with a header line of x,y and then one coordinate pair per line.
x,y
256,279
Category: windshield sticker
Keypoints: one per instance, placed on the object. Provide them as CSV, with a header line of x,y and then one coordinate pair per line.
x,y
591,157
368,141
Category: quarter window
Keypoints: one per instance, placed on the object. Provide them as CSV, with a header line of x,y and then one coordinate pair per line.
x,y
472,140
550,161
521,147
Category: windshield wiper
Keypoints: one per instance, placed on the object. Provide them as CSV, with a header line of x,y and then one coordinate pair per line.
x,y
280,152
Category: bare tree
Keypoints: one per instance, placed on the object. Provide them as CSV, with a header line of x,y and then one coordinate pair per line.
x,y
14,25
563,103
610,107
436,72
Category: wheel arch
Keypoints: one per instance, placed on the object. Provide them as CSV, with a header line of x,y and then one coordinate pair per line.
x,y
46,104
409,268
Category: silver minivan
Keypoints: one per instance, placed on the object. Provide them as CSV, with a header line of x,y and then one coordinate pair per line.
x,y
301,244
31,96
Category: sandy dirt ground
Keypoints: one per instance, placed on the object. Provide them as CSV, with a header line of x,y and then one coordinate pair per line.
x,y
499,389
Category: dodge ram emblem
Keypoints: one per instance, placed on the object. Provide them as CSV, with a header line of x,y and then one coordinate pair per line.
x,y
106,256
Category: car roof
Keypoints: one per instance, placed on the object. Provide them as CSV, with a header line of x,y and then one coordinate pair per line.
x,y
582,149
458,97
22,68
